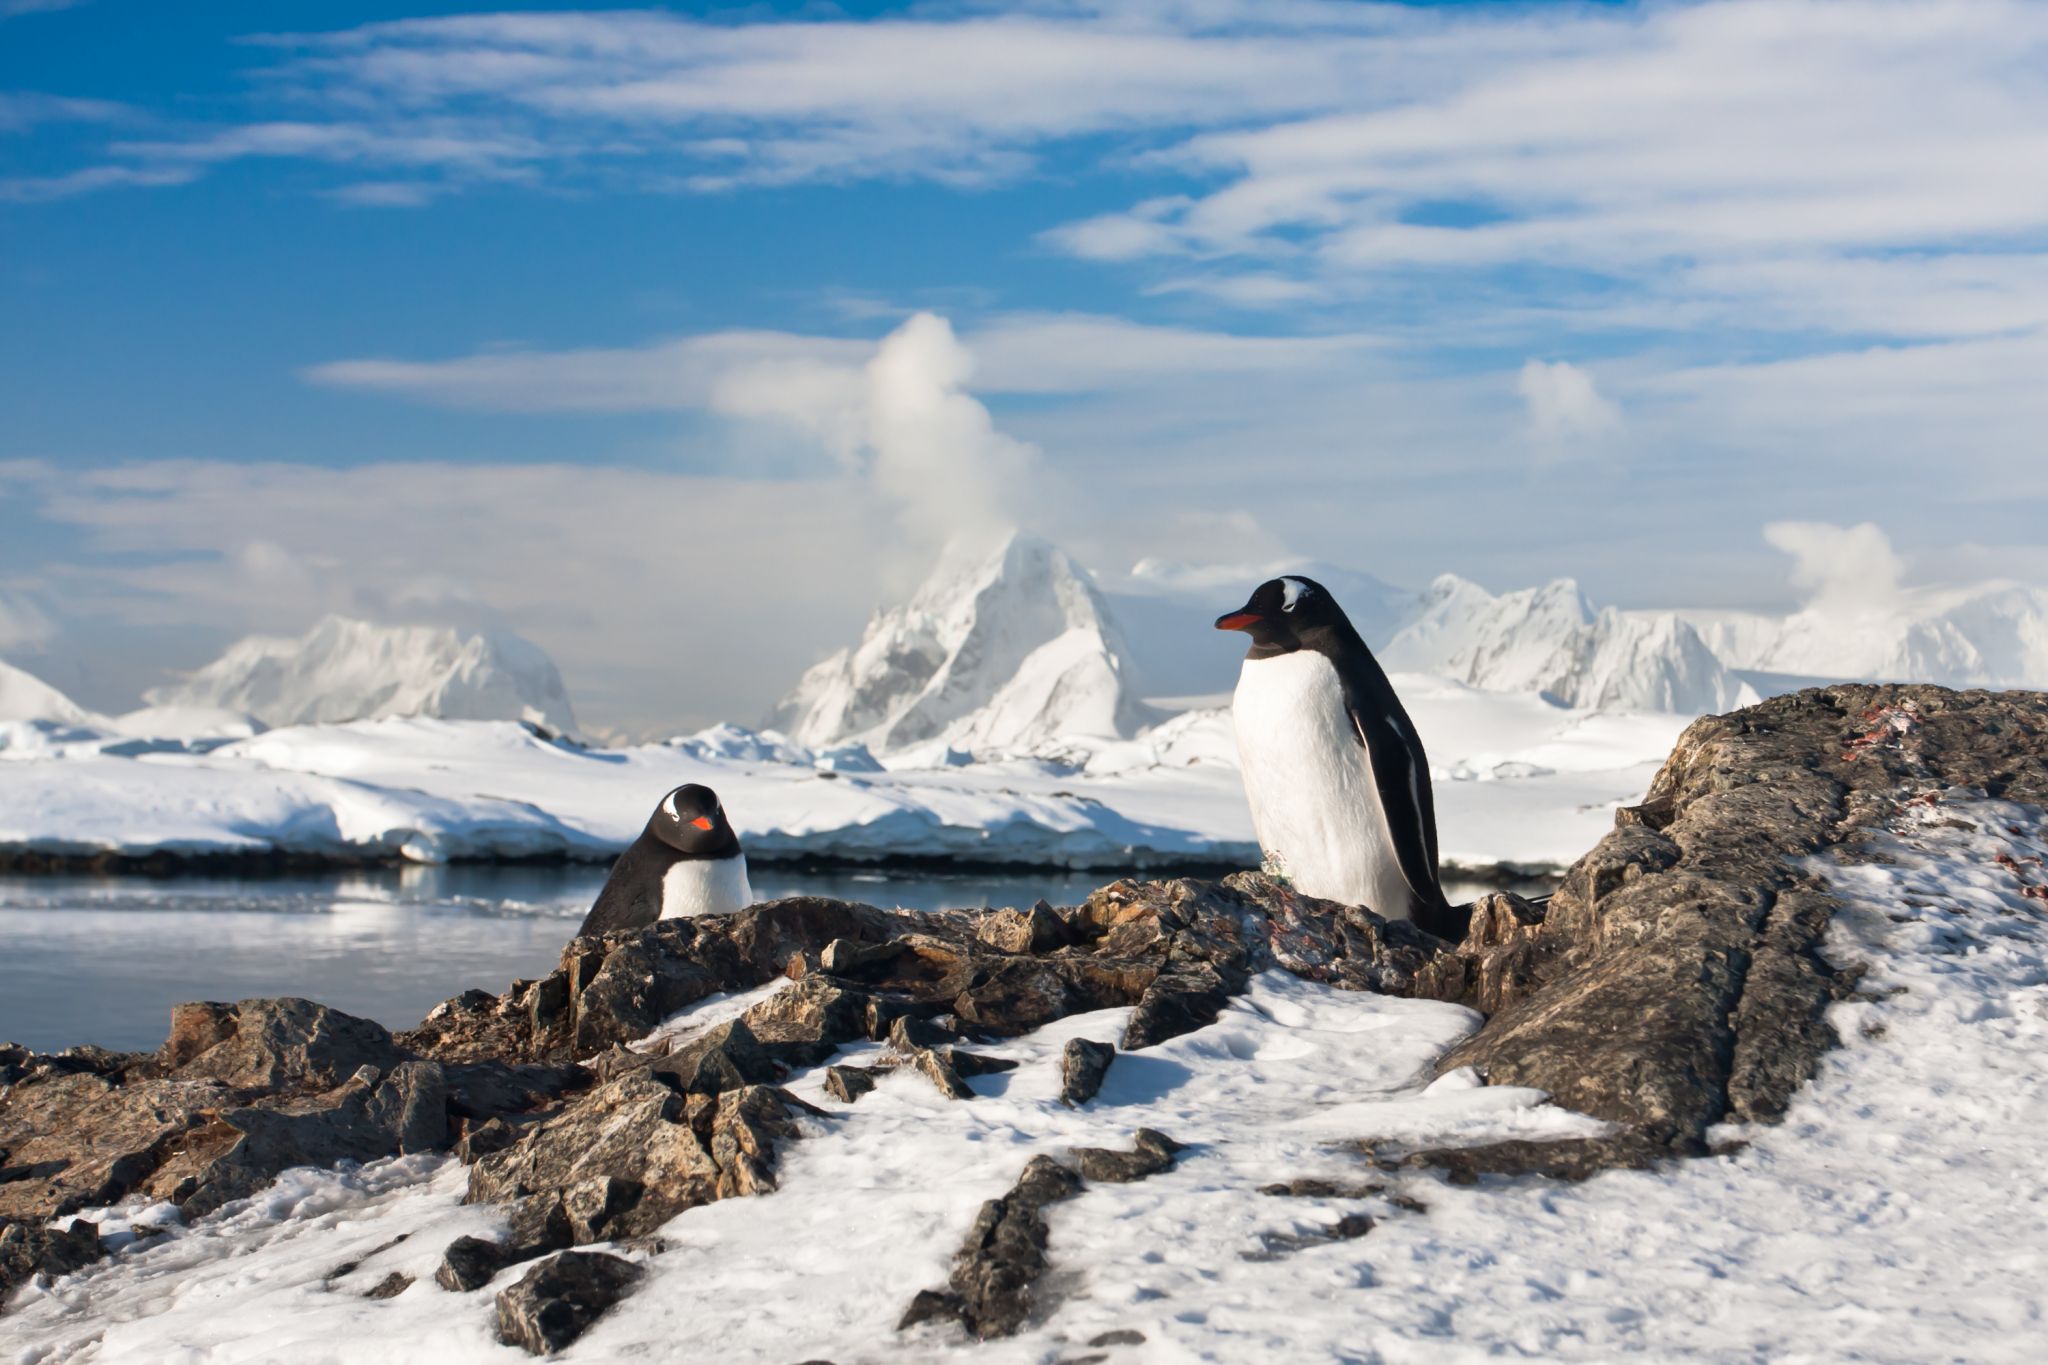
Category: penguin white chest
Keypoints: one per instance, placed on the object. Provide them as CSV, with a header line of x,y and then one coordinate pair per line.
x,y
1308,777
705,886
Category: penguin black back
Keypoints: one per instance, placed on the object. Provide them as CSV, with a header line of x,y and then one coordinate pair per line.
x,y
688,826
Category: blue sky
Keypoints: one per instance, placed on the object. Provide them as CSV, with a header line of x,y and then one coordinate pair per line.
x,y
534,314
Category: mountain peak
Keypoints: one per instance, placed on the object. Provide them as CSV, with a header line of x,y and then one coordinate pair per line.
x,y
347,669
1004,645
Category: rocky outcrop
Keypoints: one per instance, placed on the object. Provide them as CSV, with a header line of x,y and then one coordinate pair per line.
x,y
1676,981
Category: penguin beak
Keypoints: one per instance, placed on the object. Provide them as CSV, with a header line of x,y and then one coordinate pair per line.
x,y
1238,620
702,822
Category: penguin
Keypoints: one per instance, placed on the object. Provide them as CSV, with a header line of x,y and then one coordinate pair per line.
x,y
686,862
1333,768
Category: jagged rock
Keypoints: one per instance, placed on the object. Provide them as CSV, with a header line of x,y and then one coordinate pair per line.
x,y
849,1083
1084,1064
555,1302
266,1044
28,1250
1318,1187
631,1154
724,1058
1151,1152
370,1115
977,1064
469,1263
1179,1002
1001,1258
1037,930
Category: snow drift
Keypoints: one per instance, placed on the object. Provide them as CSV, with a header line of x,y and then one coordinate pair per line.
x,y
343,670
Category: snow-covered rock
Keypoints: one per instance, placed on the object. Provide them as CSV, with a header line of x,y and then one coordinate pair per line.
x,y
1550,640
344,670
1001,648
187,723
25,697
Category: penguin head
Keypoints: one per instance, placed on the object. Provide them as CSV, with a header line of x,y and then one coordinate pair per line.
x,y
691,821
1281,611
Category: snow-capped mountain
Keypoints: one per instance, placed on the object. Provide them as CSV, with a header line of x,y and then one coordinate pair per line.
x,y
23,696
1003,647
1989,635
1549,639
359,670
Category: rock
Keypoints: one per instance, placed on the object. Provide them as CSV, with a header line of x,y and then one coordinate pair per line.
x,y
975,1064
266,1044
1152,1152
371,1115
1121,1336
1179,1002
1676,981
849,1083
1083,1065
1557,1159
555,1302
1002,1257
724,1058
1316,1187
469,1263
1274,1245
1037,930
629,1155
34,1250
390,1287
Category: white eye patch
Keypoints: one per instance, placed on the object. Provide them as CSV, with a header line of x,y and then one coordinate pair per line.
x,y
668,805
1292,590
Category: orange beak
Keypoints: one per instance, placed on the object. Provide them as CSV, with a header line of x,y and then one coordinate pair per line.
x,y
1237,620
702,822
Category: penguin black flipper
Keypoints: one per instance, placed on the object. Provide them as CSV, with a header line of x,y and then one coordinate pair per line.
x,y
631,898
1400,770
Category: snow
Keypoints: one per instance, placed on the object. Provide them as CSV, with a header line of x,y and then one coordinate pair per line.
x,y
1520,782
1896,1215
1550,640
1001,647
343,670
23,697
1986,635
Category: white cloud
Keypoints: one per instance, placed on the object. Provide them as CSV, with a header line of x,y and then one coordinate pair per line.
x,y
1840,569
1563,403
22,623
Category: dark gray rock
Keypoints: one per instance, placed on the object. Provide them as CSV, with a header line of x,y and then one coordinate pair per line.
x,y
1274,1245
35,1250
1151,1152
556,1302
1002,1257
1084,1064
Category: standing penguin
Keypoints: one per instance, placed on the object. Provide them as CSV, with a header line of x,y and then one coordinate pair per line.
x,y
686,862
1333,767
